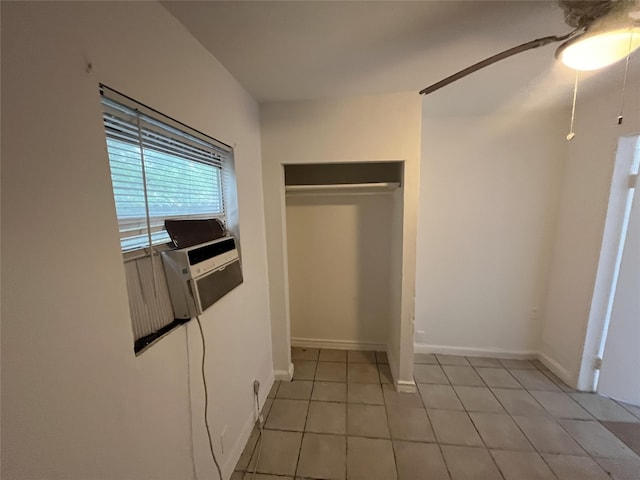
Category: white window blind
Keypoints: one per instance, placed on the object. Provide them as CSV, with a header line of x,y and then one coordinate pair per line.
x,y
158,172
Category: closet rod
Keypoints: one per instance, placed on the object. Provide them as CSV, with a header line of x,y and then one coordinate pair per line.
x,y
339,187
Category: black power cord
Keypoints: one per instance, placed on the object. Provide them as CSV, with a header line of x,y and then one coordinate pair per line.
x,y
206,400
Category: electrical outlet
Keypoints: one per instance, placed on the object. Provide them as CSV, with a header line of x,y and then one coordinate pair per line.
x,y
420,336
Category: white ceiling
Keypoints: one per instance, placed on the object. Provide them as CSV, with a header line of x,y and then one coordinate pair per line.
x,y
318,49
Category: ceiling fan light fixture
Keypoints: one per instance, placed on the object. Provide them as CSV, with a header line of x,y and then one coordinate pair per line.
x,y
609,32
598,49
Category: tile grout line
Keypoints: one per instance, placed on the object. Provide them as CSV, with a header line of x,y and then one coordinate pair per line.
x,y
623,405
295,471
466,411
469,416
253,450
386,416
556,420
444,460
540,454
305,432
346,424
364,436
516,423
306,418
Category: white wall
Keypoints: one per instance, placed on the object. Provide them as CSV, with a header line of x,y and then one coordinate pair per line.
x,y
76,402
369,128
488,197
339,257
571,303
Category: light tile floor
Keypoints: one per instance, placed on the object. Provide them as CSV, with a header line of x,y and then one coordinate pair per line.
x,y
471,419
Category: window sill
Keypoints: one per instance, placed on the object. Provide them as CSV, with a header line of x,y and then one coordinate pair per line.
x,y
144,343
145,252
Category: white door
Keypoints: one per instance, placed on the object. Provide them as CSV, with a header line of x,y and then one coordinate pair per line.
x,y
620,372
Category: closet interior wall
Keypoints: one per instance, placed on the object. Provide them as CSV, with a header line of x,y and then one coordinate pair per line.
x,y
341,245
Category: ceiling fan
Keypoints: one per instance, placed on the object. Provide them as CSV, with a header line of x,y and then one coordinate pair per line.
x,y
604,31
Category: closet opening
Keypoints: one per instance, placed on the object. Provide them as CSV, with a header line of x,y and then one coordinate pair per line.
x,y
344,224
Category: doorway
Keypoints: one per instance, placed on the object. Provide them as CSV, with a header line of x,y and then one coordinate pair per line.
x,y
612,347
620,346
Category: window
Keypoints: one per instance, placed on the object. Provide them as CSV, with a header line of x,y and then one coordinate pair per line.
x,y
160,169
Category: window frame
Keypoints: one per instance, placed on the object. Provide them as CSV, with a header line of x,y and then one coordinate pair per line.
x,y
152,117
150,308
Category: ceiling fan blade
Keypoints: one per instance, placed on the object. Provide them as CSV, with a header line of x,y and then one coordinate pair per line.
x,y
539,42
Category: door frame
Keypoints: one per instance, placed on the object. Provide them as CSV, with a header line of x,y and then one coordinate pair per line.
x,y
608,264
401,364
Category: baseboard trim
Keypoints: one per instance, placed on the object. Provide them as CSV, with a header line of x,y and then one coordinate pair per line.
x,y
405,386
547,361
558,369
284,375
232,459
337,344
475,352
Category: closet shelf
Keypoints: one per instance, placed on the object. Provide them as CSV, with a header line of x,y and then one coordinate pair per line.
x,y
343,188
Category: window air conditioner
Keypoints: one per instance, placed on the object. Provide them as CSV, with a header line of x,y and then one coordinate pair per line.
x,y
200,275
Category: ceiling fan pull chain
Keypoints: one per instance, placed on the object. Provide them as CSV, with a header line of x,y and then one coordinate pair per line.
x,y
624,80
571,133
